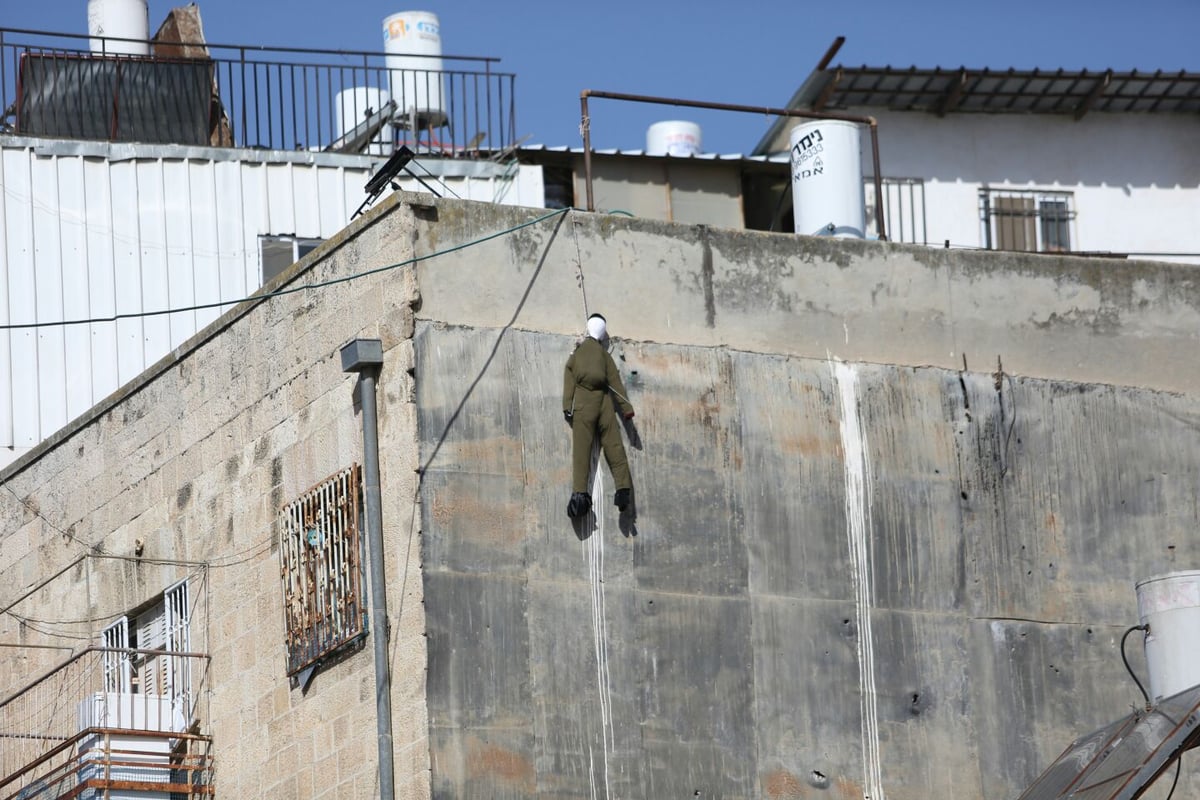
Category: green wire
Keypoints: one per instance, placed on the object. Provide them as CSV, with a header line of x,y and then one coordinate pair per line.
x,y
291,289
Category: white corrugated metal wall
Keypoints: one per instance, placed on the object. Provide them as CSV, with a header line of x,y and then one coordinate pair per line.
x,y
93,230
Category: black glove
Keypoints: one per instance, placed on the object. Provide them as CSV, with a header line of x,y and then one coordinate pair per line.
x,y
568,416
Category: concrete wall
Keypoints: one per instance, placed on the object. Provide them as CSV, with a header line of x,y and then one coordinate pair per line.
x,y
939,623
854,566
898,578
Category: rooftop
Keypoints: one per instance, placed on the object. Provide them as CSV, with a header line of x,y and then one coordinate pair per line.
x,y
991,91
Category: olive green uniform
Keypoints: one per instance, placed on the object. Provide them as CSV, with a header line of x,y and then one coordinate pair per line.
x,y
589,375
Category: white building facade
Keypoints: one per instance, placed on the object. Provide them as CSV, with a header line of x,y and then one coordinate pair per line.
x,y
1083,162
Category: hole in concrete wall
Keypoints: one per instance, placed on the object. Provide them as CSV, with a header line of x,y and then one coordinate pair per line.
x,y
423,212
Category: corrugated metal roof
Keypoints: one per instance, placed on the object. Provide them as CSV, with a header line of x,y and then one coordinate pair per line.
x,y
986,90
991,91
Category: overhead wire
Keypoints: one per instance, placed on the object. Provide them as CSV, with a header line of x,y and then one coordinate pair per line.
x,y
289,289
38,514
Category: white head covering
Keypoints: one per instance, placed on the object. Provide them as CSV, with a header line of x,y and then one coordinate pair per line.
x,y
596,327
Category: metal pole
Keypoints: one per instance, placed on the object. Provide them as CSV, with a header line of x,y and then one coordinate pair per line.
x,y
880,223
585,125
365,356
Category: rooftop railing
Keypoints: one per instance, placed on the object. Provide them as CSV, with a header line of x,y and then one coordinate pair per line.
x,y
277,98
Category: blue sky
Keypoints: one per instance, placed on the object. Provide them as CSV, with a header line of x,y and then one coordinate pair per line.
x,y
751,52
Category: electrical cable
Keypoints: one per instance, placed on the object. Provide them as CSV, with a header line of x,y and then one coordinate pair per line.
x,y
1175,782
1001,377
38,514
290,289
1128,668
438,178
579,266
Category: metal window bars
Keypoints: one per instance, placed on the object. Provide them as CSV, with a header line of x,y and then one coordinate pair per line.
x,y
1026,220
321,569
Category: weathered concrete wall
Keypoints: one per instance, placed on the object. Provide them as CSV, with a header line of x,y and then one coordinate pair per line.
x,y
195,459
844,577
847,579
1065,318
718,643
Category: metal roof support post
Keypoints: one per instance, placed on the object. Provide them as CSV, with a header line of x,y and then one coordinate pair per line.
x,y
585,127
365,356
880,217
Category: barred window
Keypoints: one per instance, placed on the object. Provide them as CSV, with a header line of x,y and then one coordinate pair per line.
x,y
1033,221
321,565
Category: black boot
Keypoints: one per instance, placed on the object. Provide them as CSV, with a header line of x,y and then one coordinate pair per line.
x,y
579,504
621,499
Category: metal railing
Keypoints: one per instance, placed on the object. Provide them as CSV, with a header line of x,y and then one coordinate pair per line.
x,y
278,98
70,728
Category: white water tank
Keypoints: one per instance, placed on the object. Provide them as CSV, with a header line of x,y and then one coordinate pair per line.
x,y
352,108
413,41
1170,605
127,19
673,137
827,179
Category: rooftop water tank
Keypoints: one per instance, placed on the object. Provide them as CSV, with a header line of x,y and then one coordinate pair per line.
x,y
413,42
673,138
1170,605
827,179
127,19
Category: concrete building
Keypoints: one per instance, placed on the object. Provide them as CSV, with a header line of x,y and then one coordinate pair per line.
x,y
884,542
1029,160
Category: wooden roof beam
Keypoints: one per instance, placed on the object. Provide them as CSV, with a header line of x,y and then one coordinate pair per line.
x,y
1098,88
953,94
827,91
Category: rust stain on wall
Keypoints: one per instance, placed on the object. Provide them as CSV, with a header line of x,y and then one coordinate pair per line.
x,y
783,785
847,789
480,516
489,761
810,444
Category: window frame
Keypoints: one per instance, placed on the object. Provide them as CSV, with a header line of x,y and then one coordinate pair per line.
x,y
300,247
131,671
1044,222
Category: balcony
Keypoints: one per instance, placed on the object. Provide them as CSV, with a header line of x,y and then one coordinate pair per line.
x,y
273,98
79,731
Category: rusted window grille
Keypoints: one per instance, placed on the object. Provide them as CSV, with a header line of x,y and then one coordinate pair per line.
x,y
320,558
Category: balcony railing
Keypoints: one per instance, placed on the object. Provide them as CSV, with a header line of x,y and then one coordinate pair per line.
x,y
251,96
73,733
